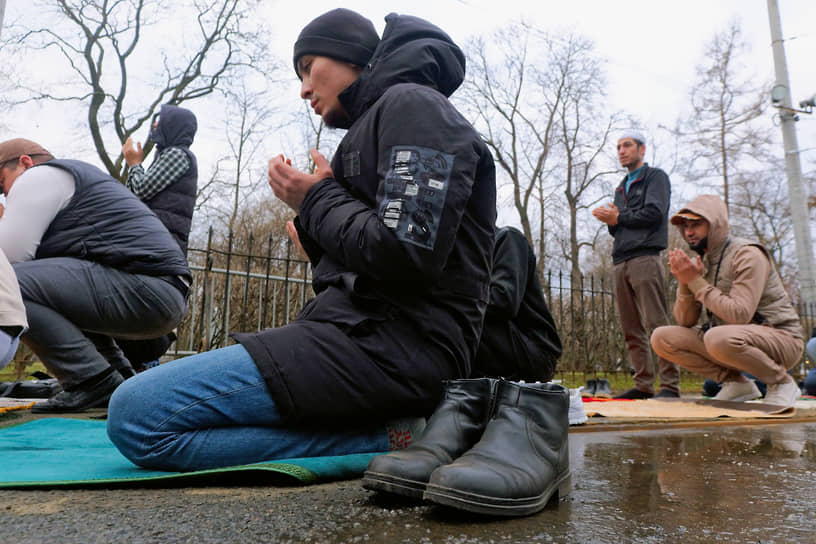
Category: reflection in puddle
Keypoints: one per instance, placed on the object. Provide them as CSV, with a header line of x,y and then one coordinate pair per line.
x,y
714,484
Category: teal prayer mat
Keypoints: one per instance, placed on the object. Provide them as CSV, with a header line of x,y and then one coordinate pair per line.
x,y
73,452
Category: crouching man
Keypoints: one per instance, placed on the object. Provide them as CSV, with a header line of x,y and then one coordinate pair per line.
x,y
733,312
93,263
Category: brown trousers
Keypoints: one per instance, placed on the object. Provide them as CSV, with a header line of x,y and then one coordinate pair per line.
x,y
641,301
724,351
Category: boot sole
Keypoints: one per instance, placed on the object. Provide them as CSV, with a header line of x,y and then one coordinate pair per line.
x,y
496,506
377,481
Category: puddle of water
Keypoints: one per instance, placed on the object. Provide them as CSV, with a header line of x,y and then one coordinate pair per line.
x,y
718,484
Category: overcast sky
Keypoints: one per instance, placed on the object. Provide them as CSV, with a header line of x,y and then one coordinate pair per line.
x,y
652,47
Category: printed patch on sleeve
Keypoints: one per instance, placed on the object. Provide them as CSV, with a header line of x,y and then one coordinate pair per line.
x,y
414,197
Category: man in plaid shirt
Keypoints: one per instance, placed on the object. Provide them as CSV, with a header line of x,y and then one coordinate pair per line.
x,y
169,188
170,184
167,168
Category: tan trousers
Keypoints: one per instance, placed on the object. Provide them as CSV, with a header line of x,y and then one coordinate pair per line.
x,y
641,301
723,352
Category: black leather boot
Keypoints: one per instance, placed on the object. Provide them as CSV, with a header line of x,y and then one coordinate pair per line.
x,y
456,424
521,461
602,389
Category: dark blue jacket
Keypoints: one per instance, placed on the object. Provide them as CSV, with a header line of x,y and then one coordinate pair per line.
x,y
105,223
643,220
401,240
174,205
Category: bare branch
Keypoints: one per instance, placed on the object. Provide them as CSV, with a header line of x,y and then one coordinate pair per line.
x,y
99,40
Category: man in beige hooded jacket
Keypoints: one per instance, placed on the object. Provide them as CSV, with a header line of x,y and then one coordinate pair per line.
x,y
732,311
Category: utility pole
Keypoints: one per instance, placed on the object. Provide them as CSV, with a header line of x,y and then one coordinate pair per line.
x,y
2,12
781,97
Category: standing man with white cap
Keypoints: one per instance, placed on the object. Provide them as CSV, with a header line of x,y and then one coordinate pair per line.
x,y
638,221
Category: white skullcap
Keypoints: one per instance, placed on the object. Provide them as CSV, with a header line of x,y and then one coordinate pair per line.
x,y
634,134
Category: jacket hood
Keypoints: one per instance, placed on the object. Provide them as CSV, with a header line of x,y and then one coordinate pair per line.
x,y
712,209
411,50
177,127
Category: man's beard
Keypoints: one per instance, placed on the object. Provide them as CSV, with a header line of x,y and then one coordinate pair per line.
x,y
701,246
337,119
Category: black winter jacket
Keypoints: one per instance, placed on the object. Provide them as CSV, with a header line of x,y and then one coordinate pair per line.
x,y
520,340
401,242
174,205
107,224
643,220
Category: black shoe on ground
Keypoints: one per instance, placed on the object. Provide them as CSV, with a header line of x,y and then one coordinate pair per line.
x,y
521,460
455,426
589,388
667,394
602,389
634,394
81,398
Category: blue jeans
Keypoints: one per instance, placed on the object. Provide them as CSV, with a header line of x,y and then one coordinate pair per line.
x,y
214,410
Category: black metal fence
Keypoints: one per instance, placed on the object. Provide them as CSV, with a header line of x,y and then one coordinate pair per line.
x,y
265,283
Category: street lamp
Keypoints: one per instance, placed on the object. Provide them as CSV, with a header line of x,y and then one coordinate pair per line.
x,y
808,105
780,92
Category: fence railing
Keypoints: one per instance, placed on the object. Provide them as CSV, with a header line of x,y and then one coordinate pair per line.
x,y
255,285
240,287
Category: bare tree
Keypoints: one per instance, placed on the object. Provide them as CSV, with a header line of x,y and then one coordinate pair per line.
x,y
540,117
580,187
722,132
240,172
577,72
514,115
760,211
109,67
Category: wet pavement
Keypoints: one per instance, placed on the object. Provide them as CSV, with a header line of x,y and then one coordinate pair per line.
x,y
649,484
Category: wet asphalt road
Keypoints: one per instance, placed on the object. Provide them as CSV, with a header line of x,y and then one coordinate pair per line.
x,y
752,484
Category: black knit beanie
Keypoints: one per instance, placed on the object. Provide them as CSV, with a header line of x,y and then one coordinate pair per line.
x,y
340,34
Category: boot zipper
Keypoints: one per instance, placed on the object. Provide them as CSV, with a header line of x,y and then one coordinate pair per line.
x,y
493,400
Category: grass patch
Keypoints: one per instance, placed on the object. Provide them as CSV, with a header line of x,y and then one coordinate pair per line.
x,y
621,381
20,371
618,381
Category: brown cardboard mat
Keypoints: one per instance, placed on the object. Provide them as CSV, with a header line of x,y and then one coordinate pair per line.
x,y
685,409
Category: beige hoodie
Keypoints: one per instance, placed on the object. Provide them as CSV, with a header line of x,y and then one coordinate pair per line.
x,y
739,284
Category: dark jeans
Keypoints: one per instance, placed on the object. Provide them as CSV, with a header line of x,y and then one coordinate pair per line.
x,y
809,386
75,307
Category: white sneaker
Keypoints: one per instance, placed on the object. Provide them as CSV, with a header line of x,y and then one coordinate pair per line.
x,y
782,394
738,391
577,414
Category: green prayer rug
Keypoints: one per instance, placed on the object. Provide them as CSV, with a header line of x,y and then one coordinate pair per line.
x,y
72,452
